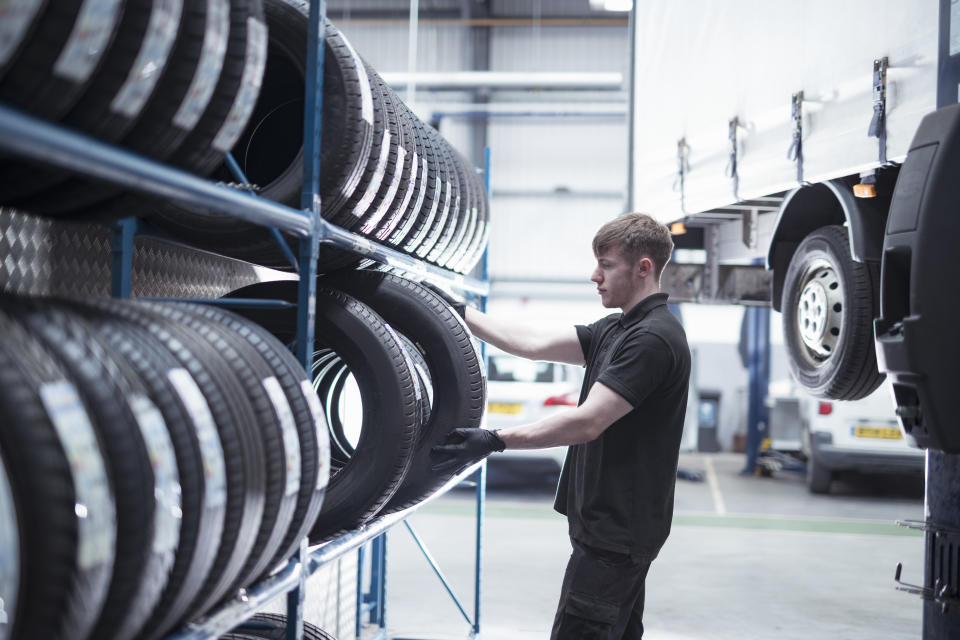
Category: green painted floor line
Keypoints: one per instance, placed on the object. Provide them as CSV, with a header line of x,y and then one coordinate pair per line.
x,y
781,523
812,524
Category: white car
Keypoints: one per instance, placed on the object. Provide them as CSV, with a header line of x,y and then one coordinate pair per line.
x,y
521,391
855,436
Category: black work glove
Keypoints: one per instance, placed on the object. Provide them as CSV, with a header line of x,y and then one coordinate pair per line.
x,y
464,447
459,307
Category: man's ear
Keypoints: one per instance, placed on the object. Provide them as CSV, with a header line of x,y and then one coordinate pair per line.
x,y
644,267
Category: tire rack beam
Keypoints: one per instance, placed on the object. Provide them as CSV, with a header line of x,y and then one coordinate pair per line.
x,y
242,608
51,144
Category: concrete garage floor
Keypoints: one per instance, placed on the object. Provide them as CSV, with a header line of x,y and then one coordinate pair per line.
x,y
748,558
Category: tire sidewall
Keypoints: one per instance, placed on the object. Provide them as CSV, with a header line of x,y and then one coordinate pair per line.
x,y
823,380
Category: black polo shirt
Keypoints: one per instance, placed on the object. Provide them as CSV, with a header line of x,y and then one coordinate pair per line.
x,y
617,490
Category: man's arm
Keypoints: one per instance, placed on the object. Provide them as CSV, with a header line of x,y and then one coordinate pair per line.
x,y
602,408
535,343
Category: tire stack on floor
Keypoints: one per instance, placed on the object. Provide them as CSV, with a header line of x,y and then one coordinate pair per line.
x,y
156,458
418,374
180,81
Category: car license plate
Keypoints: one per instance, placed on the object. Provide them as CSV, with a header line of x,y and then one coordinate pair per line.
x,y
883,433
511,408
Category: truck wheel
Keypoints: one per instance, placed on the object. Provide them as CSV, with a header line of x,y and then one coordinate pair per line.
x,y
819,478
829,302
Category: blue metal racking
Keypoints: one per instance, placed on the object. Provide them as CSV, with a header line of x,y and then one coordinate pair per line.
x,y
30,137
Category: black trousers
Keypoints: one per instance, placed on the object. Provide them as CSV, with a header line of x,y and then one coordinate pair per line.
x,y
601,597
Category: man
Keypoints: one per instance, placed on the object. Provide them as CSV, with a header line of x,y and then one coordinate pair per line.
x,y
617,483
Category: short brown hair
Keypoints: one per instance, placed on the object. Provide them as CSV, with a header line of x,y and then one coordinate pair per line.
x,y
636,235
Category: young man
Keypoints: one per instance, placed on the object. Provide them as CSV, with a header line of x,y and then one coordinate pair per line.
x,y
617,483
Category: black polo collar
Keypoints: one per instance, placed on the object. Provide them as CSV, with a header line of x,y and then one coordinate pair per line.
x,y
642,308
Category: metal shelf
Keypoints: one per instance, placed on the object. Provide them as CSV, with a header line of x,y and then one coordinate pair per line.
x,y
32,138
42,141
306,564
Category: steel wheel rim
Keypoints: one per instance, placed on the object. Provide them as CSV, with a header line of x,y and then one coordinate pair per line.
x,y
820,311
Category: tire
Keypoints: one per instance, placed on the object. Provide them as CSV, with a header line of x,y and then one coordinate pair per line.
x,y
479,245
186,84
47,80
437,231
10,543
263,435
199,456
474,236
412,232
236,93
270,150
444,342
829,302
397,170
413,180
139,458
113,101
369,477
20,27
235,423
819,478
272,626
294,483
69,45
467,218
67,560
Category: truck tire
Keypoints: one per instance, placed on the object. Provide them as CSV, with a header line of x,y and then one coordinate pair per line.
x,y
829,302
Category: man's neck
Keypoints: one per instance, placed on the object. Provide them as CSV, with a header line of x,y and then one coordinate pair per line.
x,y
640,296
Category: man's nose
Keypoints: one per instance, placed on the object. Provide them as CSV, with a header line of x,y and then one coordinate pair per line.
x,y
596,276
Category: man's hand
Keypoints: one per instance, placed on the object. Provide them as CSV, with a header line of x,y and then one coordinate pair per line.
x,y
459,307
464,447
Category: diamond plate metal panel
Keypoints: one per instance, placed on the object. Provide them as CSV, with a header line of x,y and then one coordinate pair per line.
x,y
40,256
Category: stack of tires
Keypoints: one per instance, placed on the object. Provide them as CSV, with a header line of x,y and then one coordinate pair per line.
x,y
176,80
156,458
271,626
186,81
384,173
410,359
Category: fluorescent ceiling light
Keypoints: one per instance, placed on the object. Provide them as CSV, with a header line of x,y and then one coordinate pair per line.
x,y
611,5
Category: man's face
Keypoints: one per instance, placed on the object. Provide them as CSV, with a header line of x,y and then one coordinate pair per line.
x,y
616,278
